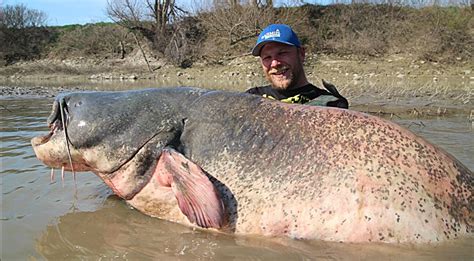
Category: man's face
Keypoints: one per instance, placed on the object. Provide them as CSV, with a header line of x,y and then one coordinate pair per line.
x,y
283,65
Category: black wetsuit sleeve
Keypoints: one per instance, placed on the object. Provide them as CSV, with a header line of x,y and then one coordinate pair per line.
x,y
253,91
341,102
266,91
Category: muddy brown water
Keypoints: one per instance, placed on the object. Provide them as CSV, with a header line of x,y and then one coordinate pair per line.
x,y
57,220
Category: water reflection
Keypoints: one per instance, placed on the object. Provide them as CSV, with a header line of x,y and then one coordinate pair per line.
x,y
117,232
454,134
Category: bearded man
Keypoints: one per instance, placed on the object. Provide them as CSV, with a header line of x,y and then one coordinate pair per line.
x,y
282,56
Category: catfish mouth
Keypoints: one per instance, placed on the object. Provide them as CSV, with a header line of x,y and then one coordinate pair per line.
x,y
53,129
56,123
56,150
126,181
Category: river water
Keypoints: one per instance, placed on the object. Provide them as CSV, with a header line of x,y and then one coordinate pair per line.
x,y
57,220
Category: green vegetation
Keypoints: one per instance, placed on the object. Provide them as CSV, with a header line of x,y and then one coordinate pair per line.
x,y
442,34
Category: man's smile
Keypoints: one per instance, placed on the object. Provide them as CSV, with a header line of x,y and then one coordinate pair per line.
x,y
280,71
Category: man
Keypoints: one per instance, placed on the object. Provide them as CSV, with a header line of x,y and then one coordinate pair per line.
x,y
282,57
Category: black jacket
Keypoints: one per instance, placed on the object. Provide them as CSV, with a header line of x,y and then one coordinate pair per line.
x,y
308,94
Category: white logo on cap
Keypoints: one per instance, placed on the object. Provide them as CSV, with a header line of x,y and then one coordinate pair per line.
x,y
271,34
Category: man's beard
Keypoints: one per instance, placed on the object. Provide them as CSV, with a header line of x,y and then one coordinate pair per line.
x,y
279,83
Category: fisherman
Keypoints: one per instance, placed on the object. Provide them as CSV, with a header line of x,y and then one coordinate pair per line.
x,y
282,56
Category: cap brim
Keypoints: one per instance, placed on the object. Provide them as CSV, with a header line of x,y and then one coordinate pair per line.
x,y
256,50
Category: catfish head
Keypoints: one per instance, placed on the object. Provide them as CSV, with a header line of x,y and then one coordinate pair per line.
x,y
128,140
117,135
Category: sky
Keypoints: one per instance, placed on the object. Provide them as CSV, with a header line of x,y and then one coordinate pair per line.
x,y
63,12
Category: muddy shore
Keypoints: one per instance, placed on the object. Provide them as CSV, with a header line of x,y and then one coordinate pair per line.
x,y
390,85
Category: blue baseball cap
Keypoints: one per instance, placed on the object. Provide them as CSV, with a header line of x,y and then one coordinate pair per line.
x,y
280,33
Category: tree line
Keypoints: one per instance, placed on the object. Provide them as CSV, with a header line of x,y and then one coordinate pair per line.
x,y
434,30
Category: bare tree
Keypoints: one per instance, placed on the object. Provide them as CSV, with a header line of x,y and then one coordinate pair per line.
x,y
159,21
19,16
150,17
23,33
225,4
127,13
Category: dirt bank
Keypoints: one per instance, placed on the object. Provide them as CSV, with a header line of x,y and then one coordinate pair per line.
x,y
396,84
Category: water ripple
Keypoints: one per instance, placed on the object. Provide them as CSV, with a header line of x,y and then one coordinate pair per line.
x,y
13,190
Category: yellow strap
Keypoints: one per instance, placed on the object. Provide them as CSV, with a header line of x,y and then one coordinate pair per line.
x,y
268,97
296,99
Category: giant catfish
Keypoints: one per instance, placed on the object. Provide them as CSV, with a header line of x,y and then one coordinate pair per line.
x,y
248,165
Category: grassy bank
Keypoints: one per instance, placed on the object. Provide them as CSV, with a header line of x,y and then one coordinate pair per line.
x,y
434,33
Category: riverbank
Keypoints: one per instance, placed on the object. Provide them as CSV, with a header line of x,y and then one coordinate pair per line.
x,y
389,85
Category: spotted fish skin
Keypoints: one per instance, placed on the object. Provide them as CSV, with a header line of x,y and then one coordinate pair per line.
x,y
327,173
244,164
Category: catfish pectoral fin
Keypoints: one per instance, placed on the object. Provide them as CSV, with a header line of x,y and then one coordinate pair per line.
x,y
197,197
